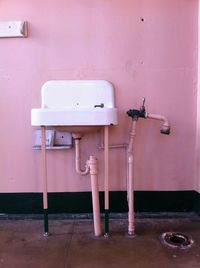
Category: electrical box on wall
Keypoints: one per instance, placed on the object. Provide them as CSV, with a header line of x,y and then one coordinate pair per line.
x,y
13,29
54,139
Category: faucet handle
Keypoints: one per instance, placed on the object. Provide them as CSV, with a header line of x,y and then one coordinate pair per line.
x,y
142,108
143,102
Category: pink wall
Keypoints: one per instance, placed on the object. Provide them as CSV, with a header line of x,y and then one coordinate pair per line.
x,y
197,164
92,39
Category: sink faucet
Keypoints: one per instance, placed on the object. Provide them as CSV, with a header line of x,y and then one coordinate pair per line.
x,y
135,114
101,105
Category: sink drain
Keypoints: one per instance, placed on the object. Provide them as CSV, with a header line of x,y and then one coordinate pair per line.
x,y
176,240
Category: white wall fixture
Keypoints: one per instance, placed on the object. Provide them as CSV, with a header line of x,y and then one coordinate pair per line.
x,y
13,29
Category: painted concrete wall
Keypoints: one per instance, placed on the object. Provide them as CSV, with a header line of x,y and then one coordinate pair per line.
x,y
146,48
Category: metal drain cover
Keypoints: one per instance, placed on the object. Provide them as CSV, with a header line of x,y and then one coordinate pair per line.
x,y
176,240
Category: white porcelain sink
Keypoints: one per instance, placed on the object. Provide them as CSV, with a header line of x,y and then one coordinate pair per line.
x,y
76,105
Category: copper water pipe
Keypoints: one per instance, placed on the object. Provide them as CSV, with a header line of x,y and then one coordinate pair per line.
x,y
92,168
130,188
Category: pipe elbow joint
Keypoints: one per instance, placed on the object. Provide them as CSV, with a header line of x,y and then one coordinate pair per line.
x,y
165,127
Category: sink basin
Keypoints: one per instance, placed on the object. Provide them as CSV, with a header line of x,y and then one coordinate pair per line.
x,y
76,105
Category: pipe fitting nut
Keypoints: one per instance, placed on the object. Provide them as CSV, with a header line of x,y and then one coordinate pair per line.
x,y
93,164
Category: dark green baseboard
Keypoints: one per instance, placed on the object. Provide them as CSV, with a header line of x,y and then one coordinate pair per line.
x,y
80,202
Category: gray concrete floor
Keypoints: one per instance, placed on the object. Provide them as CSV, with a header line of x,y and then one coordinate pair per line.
x,y
73,245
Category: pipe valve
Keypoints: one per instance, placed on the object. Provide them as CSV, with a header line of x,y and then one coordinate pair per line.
x,y
142,108
135,114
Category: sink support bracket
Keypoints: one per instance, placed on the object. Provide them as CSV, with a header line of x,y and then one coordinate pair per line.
x,y
44,178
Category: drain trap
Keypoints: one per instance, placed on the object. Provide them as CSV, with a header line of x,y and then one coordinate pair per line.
x,y
176,240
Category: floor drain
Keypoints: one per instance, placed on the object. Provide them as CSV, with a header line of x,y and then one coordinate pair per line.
x,y
176,240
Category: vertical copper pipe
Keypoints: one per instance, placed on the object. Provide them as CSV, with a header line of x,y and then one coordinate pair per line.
x,y
106,179
130,184
93,164
131,227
